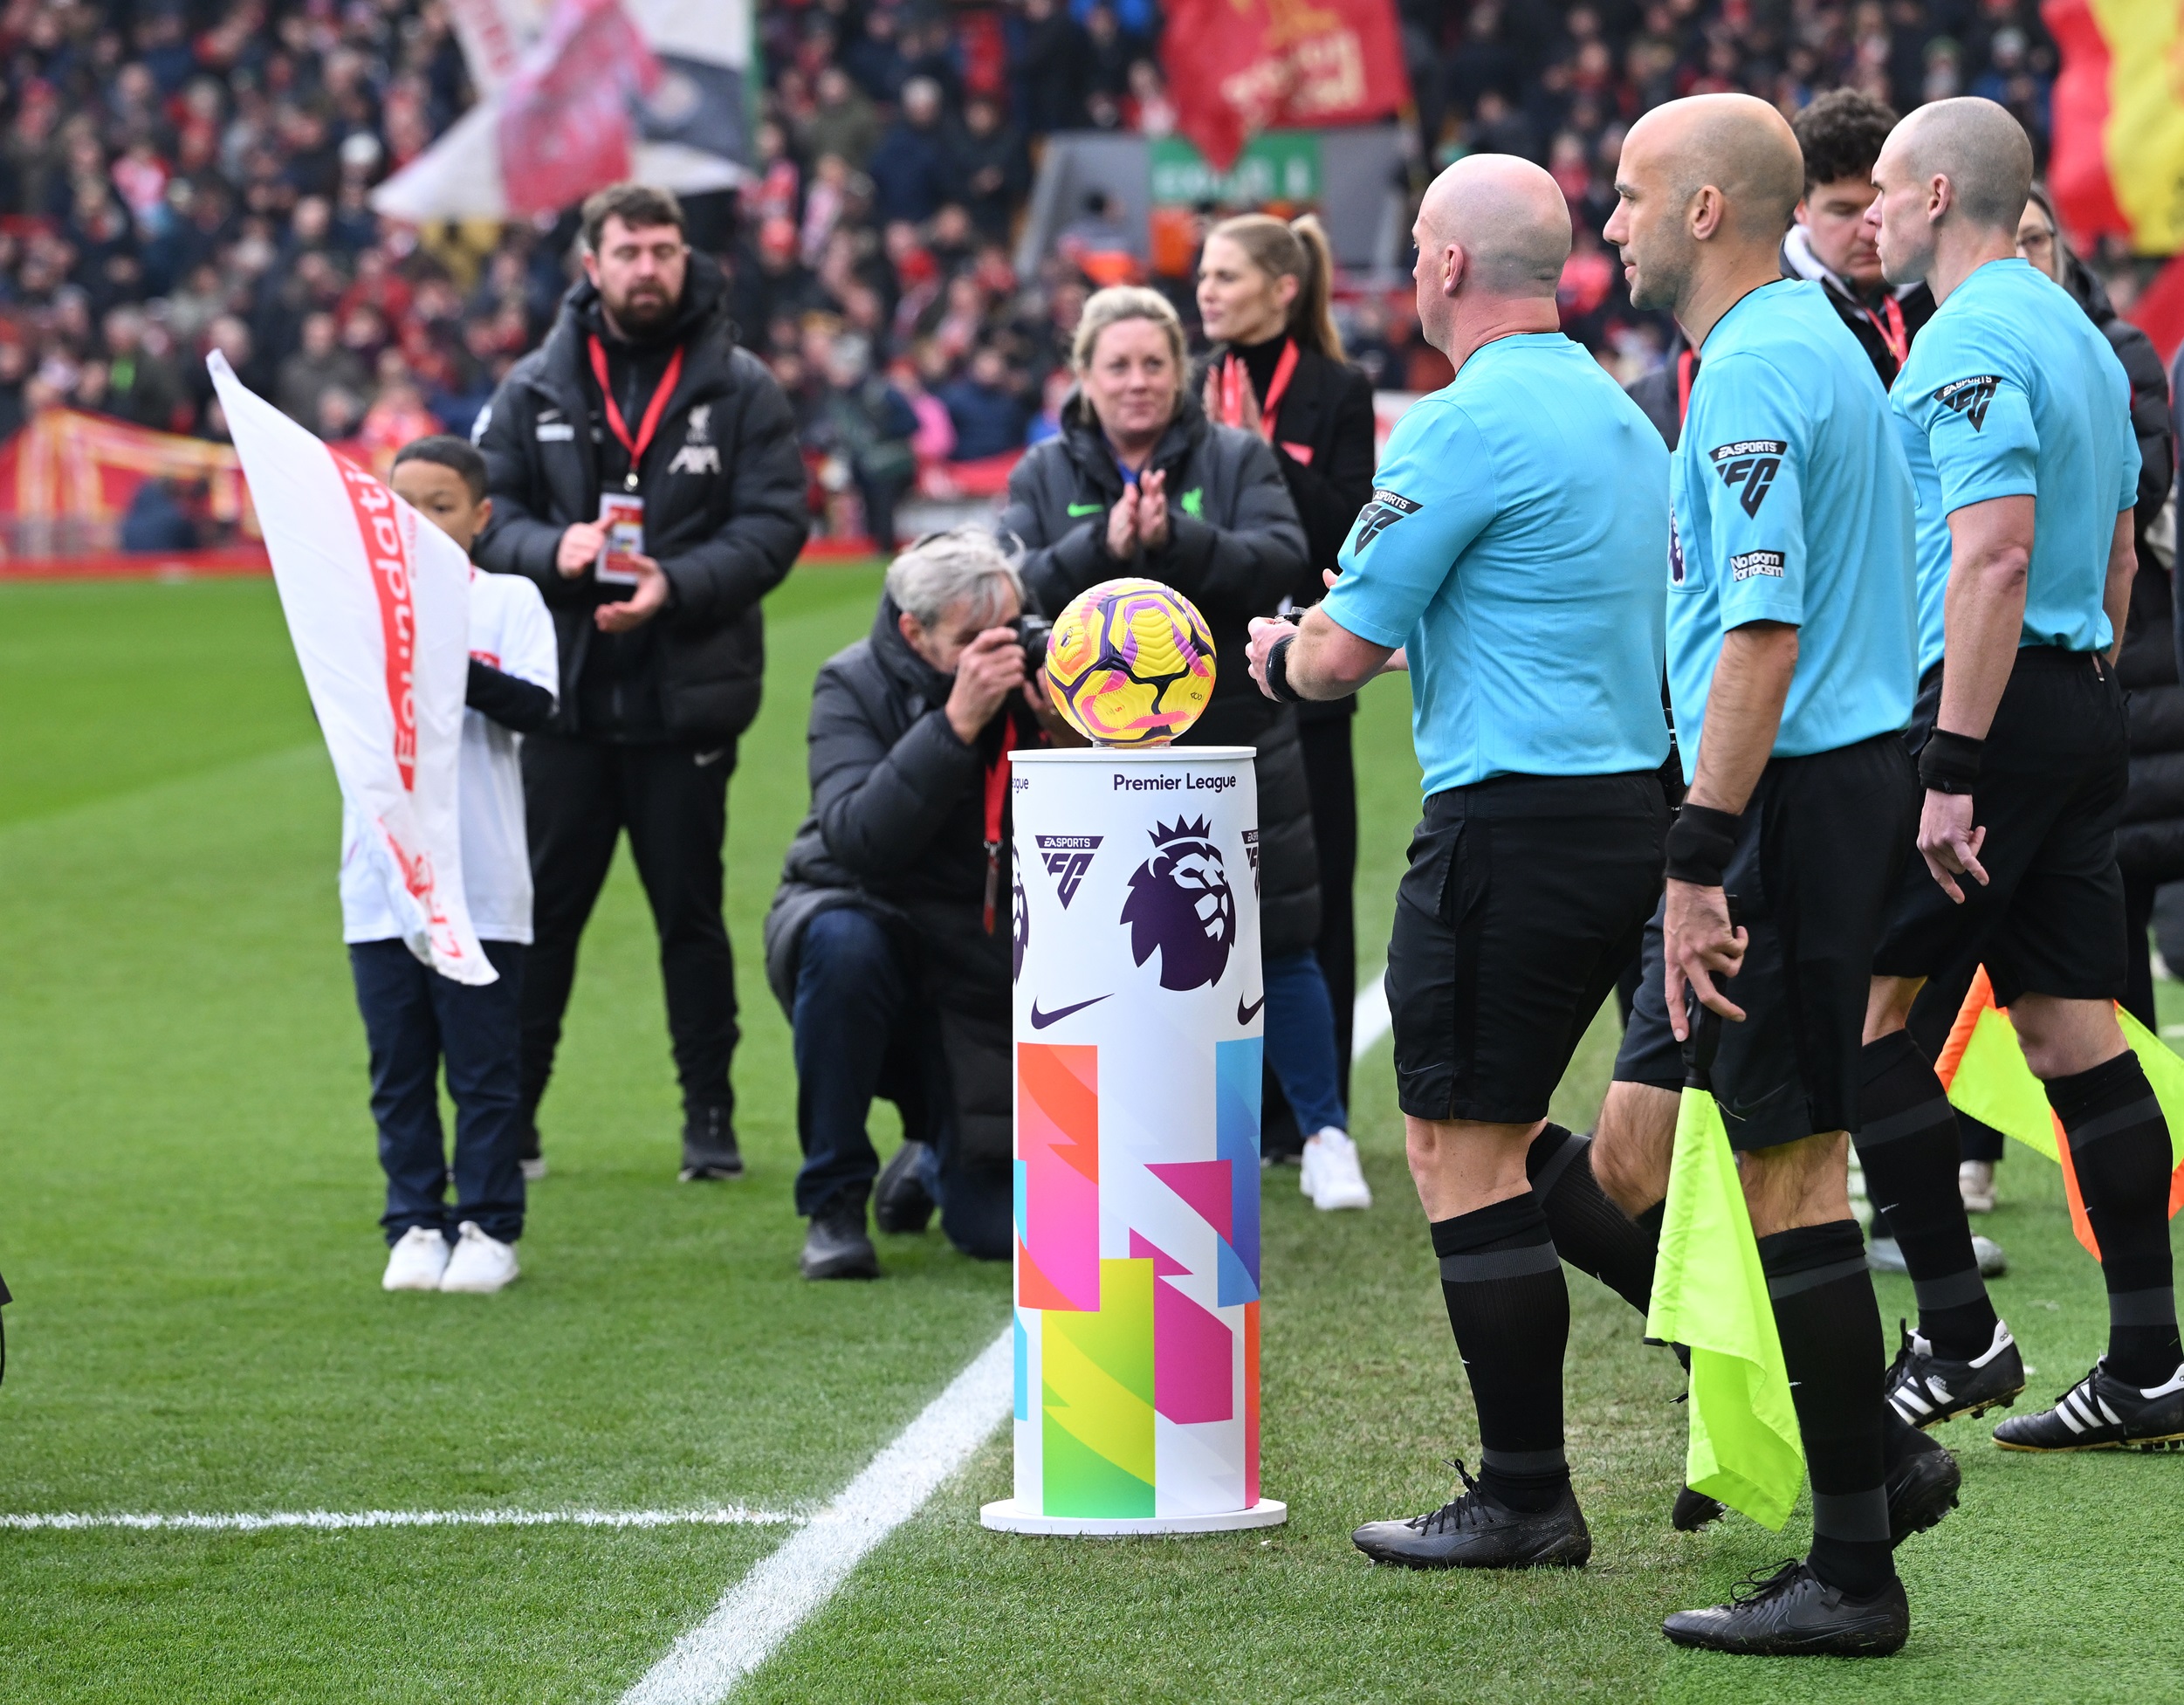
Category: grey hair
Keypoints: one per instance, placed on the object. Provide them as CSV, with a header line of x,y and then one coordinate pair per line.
x,y
965,564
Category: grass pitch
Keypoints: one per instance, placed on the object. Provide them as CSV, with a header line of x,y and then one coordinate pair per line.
x,y
188,1194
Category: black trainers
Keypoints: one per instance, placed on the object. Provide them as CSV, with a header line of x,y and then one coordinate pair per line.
x,y
836,1247
1475,1532
709,1146
1793,1612
900,1201
1694,1510
1926,1389
1923,1480
2101,1412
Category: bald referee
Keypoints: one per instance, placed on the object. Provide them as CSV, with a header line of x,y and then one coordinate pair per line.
x,y
1513,550
1791,641
2016,416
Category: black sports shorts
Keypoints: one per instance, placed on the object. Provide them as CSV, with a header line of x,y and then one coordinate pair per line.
x,y
1524,899
1818,850
2051,792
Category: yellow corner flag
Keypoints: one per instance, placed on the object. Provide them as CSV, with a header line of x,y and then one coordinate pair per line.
x,y
1710,1295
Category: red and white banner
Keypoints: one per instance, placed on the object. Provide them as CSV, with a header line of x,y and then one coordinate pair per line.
x,y
576,95
1237,67
378,604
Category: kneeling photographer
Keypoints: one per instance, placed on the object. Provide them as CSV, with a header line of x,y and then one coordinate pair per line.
x,y
889,939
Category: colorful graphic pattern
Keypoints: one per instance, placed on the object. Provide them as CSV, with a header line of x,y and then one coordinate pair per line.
x,y
1137,1370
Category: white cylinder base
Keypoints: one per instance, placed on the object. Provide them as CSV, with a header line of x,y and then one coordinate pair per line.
x,y
1008,1515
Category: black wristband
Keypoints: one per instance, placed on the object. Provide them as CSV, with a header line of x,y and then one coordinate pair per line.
x,y
1949,763
1700,841
1278,672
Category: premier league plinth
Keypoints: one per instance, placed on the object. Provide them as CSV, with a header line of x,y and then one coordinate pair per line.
x,y
1139,1044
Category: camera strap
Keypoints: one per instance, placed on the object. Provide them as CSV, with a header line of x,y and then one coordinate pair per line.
x,y
996,802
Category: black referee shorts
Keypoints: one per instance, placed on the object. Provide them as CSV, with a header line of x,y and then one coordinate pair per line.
x,y
1818,850
1524,899
2051,792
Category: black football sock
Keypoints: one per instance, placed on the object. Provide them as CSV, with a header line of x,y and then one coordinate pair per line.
x,y
1830,1323
2120,1149
1909,1150
1590,1232
1510,1310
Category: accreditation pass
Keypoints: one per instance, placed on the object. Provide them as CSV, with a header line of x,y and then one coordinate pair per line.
x,y
624,514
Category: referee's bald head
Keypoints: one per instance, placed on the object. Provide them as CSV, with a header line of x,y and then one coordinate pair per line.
x,y
1509,218
1983,153
1706,183
1963,165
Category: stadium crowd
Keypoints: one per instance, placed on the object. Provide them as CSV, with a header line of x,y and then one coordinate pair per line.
x,y
180,175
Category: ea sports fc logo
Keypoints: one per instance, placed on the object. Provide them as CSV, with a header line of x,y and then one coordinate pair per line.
x,y
1066,858
1180,902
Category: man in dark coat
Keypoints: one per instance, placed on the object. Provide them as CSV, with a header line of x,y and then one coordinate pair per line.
x,y
640,393
890,940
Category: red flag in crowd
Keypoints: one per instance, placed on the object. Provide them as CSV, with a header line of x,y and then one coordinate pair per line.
x,y
565,119
1237,67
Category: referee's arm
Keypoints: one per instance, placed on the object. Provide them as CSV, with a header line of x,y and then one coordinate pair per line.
x,y
1318,657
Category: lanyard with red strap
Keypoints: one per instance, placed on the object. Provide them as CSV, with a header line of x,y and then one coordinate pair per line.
x,y
1235,376
995,799
650,423
1891,328
1687,363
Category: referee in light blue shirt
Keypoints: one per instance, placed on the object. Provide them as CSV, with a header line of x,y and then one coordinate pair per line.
x,y
1512,553
1791,624
2016,416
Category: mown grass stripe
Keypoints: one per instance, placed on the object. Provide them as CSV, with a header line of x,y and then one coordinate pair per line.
x,y
724,1516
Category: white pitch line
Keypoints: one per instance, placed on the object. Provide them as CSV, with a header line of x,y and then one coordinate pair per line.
x,y
1369,1019
760,1611
728,1515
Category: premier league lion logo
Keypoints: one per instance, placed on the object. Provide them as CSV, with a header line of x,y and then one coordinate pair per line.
x,y
1180,902
1019,911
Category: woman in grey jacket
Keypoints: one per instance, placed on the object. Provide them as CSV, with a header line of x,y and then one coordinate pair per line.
x,y
1140,481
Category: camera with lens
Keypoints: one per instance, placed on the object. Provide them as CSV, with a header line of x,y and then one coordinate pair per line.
x,y
1031,633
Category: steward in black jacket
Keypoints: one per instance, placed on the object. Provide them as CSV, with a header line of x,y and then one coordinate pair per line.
x,y
725,513
1235,551
640,390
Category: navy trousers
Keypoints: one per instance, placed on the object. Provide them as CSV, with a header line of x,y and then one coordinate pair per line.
x,y
414,1019
861,1029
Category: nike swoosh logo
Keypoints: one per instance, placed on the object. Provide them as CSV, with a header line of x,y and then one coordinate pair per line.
x,y
1086,508
1245,1014
1040,1021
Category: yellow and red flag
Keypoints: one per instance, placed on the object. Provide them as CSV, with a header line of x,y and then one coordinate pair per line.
x,y
1983,1068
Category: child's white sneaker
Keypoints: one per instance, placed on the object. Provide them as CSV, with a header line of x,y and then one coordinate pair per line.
x,y
480,1264
1331,1176
416,1262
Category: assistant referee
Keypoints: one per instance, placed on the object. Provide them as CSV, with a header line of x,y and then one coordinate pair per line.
x,y
1512,550
2016,416
1792,624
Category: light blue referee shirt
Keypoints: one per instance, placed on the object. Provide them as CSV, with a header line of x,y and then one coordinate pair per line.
x,y
2012,391
1514,545
1793,504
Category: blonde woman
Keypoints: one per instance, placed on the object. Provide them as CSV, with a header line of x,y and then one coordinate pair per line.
x,y
1140,481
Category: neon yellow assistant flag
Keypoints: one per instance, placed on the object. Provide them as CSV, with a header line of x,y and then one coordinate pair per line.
x,y
1710,1295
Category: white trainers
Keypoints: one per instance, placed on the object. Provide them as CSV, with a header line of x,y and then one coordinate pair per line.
x,y
1330,1174
416,1260
480,1263
1976,1183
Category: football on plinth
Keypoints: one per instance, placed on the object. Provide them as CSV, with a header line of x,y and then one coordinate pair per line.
x,y
1130,663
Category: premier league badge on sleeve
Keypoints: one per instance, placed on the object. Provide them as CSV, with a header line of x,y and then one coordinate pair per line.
x,y
1675,551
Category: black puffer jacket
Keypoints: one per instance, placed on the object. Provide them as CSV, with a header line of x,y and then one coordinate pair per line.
x,y
2150,841
897,829
724,512
1236,549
